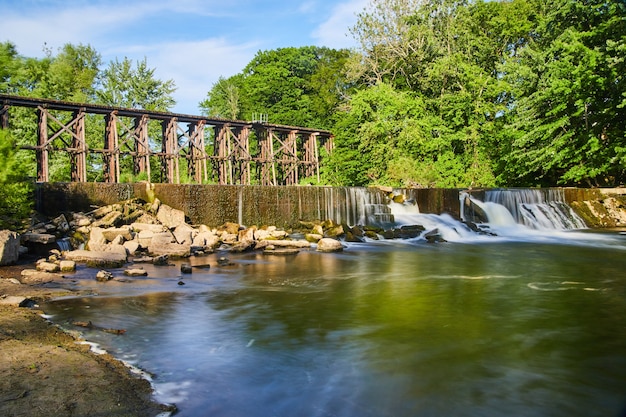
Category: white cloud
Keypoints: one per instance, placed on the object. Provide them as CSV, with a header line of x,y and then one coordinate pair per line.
x,y
196,66
334,32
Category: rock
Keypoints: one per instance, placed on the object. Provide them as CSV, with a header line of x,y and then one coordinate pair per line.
x,y
144,238
185,269
17,301
243,246
113,233
103,276
313,237
223,261
100,259
41,238
170,217
9,247
291,243
206,240
329,245
67,266
136,272
165,244
161,260
434,236
411,231
154,228
48,267
281,251
80,220
61,223
97,241
113,219
247,234
131,246
334,231
230,228
184,234
34,277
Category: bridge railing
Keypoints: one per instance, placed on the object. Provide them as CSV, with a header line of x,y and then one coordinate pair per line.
x,y
198,148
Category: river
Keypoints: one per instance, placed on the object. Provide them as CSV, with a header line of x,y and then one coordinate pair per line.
x,y
527,324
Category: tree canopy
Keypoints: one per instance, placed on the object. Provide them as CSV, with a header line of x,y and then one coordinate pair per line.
x,y
445,93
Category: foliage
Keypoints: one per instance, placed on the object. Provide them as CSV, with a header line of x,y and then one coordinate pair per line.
x,y
15,187
448,93
292,86
125,85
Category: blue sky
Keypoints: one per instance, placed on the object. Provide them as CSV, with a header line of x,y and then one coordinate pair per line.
x,y
192,42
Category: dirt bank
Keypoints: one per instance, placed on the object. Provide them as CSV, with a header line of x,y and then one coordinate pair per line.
x,y
44,372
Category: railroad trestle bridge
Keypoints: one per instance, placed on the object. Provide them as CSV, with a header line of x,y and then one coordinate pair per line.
x,y
213,150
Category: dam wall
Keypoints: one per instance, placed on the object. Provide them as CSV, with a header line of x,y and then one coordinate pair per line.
x,y
282,206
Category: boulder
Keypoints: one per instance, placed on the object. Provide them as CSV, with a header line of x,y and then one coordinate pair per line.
x,y
103,276
67,266
48,267
184,233
97,241
170,217
113,233
34,277
108,259
165,244
113,219
329,245
131,246
290,243
313,237
230,228
9,247
136,272
40,238
154,228
17,301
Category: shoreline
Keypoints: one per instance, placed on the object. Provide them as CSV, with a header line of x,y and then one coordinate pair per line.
x,y
47,371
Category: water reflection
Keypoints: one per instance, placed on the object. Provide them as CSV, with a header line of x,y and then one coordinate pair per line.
x,y
383,330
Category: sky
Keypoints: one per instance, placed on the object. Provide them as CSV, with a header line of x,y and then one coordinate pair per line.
x,y
192,42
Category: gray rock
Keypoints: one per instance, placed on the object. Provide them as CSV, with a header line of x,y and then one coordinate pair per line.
x,y
9,247
170,217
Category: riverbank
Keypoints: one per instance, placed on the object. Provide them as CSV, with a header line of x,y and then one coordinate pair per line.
x,y
45,372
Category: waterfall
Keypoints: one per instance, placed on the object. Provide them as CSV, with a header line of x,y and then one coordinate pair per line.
x,y
357,206
64,244
537,208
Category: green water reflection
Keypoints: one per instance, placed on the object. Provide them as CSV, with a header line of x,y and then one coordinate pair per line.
x,y
520,329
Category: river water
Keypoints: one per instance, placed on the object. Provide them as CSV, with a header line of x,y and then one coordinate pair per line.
x,y
533,324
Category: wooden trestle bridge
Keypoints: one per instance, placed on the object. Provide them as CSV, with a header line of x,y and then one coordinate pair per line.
x,y
214,150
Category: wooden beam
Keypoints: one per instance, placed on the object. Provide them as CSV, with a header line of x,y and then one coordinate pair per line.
x,y
42,145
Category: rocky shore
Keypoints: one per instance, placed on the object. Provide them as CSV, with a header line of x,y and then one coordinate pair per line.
x,y
45,371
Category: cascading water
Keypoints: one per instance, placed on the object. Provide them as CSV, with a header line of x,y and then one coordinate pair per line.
x,y
537,208
357,206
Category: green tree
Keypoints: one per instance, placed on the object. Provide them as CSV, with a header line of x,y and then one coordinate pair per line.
x,y
224,98
570,110
15,186
135,86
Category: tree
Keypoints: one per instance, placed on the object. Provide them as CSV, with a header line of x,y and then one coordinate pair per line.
x,y
15,187
570,110
135,87
223,100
